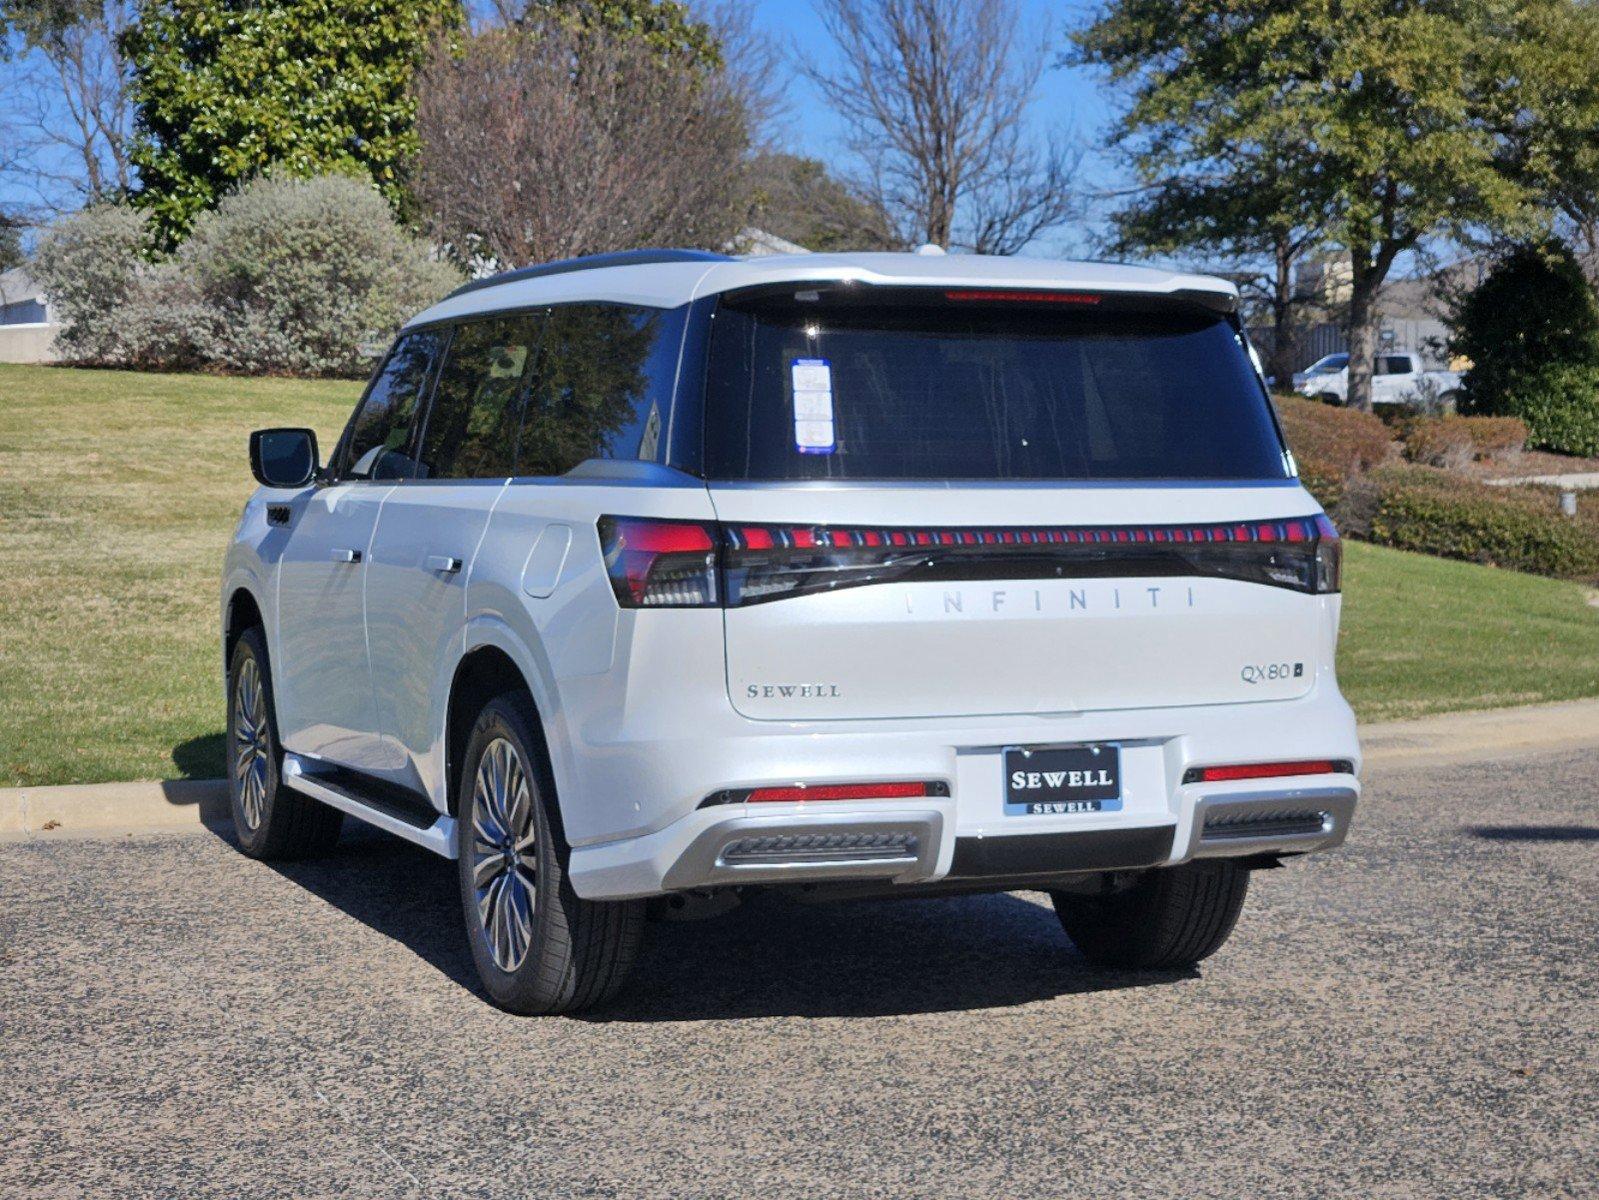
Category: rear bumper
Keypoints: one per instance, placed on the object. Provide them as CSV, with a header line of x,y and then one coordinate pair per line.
x,y
966,836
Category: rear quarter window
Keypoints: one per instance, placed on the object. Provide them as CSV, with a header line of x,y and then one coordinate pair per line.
x,y
799,390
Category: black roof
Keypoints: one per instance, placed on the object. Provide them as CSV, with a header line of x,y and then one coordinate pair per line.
x,y
591,262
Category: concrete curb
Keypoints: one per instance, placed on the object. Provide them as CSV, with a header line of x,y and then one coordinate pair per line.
x,y
1487,733
108,809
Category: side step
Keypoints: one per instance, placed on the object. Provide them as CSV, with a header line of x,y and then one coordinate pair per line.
x,y
333,788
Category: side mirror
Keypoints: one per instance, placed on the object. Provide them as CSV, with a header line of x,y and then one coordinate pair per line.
x,y
283,458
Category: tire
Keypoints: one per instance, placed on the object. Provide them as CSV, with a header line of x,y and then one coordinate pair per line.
x,y
539,946
271,821
1449,403
1172,917
1332,398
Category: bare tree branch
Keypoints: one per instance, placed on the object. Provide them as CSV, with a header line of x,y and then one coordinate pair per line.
x,y
68,116
935,95
540,145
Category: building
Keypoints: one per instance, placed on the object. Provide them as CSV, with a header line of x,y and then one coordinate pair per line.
x,y
28,322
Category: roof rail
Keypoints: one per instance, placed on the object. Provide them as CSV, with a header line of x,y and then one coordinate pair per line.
x,y
591,262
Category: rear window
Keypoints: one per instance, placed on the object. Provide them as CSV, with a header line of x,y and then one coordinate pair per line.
x,y
803,387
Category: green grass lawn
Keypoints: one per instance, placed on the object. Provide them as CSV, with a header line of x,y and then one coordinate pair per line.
x,y
1428,635
118,492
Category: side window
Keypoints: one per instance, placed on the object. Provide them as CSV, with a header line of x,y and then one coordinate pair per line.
x,y
379,441
1393,364
477,404
603,387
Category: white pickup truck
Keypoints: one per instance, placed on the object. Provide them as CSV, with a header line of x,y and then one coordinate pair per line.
x,y
1399,377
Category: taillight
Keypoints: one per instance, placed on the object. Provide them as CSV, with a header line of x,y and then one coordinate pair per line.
x,y
696,564
660,564
1329,556
769,562
1269,770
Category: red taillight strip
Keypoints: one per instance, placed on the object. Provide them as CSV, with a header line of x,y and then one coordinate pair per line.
x,y
1271,770
805,537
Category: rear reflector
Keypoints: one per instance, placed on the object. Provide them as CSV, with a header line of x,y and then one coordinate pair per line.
x,y
1319,766
837,791
799,793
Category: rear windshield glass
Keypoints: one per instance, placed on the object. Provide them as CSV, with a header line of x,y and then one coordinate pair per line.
x,y
802,389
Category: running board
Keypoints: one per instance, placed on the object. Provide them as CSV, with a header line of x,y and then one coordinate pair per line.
x,y
301,775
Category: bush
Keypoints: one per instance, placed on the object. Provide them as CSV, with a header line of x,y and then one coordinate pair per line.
x,y
1453,442
1332,445
286,276
294,274
1560,405
1431,511
1439,442
1531,331
117,308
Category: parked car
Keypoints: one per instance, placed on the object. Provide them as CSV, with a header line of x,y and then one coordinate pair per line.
x,y
1328,364
666,576
1399,378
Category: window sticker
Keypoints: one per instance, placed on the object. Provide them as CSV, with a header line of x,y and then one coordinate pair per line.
x,y
812,380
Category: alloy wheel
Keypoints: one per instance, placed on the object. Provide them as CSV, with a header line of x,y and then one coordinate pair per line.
x,y
504,865
251,744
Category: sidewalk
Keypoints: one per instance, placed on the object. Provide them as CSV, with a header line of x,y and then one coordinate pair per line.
x,y
110,809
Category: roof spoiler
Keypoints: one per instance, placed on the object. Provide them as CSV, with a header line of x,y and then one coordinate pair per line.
x,y
591,262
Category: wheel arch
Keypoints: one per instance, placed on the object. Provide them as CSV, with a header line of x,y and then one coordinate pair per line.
x,y
242,611
488,669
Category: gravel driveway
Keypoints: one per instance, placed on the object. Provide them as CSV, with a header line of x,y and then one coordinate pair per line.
x,y
1413,1015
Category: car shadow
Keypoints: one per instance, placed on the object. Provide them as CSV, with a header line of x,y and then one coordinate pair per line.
x,y
772,956
201,757
1535,833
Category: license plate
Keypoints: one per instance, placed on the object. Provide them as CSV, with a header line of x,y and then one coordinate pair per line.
x,y
1062,780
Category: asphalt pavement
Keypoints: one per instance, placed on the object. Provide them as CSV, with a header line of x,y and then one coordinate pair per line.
x,y
1412,1015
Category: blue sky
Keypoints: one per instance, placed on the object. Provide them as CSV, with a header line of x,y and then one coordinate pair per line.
x,y
1069,97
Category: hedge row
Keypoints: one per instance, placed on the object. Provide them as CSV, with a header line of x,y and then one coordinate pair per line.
x,y
1455,441
1332,445
1436,512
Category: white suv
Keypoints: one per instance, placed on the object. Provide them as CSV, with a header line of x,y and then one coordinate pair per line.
x,y
671,575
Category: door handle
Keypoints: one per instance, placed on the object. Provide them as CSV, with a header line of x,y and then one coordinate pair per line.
x,y
346,556
443,564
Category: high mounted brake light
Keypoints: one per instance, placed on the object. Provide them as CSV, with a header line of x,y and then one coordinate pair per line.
x,y
987,295
697,564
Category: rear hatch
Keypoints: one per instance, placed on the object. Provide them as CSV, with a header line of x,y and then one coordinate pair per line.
x,y
966,502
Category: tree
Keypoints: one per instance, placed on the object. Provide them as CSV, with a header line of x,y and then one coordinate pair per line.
x,y
1531,331
1559,158
68,104
1392,118
1244,218
228,91
798,199
667,27
539,143
936,95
